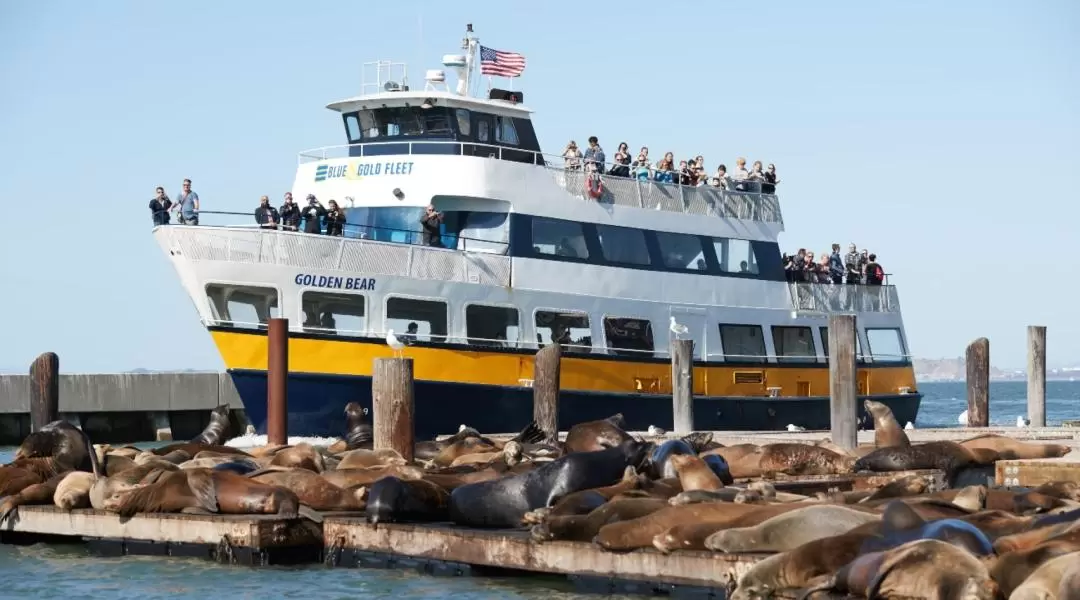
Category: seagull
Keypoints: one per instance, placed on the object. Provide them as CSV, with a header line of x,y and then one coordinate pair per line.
x,y
654,430
394,343
677,328
963,418
1022,422
792,427
909,426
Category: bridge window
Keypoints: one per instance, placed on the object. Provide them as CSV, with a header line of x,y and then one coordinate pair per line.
x,y
484,232
341,314
735,256
495,326
623,244
243,306
559,238
743,343
825,344
794,344
505,132
628,337
570,329
464,121
422,320
352,128
409,121
681,251
885,345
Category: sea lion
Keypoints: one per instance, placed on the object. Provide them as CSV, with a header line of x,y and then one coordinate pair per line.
x,y
1066,490
947,456
801,459
345,478
858,451
1012,568
901,487
467,446
314,491
887,432
217,430
190,449
1069,587
358,431
503,502
300,456
583,528
720,495
799,567
393,500
790,530
597,435
36,493
684,527
1045,582
1010,449
361,458
1035,535
586,501
204,491
693,473
901,524
719,467
57,447
107,491
73,491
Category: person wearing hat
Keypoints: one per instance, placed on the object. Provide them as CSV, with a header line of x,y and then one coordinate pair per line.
x,y
313,214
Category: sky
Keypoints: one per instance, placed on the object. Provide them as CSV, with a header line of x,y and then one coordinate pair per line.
x,y
943,136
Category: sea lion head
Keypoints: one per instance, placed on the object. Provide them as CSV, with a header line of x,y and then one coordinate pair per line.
x,y
512,453
636,453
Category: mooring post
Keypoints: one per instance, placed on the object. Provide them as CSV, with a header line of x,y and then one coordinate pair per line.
x,y
277,377
44,390
392,405
547,369
682,386
977,359
843,383
1036,375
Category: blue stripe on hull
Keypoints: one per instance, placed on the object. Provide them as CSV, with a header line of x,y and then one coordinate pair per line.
x,y
316,405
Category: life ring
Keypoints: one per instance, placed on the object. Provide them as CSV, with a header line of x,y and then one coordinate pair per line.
x,y
596,192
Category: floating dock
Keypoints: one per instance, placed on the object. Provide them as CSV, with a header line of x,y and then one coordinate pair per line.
x,y
1037,471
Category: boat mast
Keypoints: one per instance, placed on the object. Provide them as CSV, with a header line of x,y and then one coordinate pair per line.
x,y
469,44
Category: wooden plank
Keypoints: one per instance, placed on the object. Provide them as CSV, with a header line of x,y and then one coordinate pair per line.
x,y
843,384
978,383
1035,472
513,549
1036,375
253,531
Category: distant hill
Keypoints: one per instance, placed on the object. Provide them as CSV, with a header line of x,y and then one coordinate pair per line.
x,y
955,369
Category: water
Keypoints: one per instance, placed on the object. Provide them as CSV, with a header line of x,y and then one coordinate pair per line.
x,y
69,572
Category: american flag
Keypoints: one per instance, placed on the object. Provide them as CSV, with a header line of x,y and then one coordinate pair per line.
x,y
499,63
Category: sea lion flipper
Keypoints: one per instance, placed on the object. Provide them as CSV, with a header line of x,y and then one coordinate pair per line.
x,y
698,440
202,487
531,434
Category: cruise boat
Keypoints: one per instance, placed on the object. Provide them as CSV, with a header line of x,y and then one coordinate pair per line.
x,y
530,253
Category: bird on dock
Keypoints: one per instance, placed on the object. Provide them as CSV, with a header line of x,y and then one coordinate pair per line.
x,y
909,426
793,427
678,328
395,344
1022,422
963,418
654,430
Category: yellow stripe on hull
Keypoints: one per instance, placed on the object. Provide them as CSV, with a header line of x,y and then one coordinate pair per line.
x,y
241,350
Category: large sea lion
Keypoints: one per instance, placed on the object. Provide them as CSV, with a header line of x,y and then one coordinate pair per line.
x,y
947,456
503,502
313,490
901,524
1069,587
586,501
217,431
182,451
743,460
358,431
35,493
799,567
204,491
685,527
1066,490
597,435
396,500
802,459
362,459
1012,568
583,528
1010,449
693,473
346,478
73,491
1045,582
299,456
887,432
107,491
57,447
790,530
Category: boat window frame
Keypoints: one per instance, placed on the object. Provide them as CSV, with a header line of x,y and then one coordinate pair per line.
x,y
628,352
903,359
386,312
586,233
596,227
322,331
797,358
823,331
764,359
515,344
577,349
230,323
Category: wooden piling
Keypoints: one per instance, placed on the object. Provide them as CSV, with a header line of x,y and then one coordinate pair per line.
x,y
978,383
277,376
843,382
547,369
44,390
682,385
392,405
1036,375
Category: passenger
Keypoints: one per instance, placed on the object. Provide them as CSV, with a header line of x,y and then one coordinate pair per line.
x,y
822,273
875,275
187,203
572,156
159,207
290,214
686,172
851,265
755,173
769,187
594,156
720,180
836,265
266,216
430,223
665,169
410,333
313,214
699,170
641,166
335,220
621,168
740,174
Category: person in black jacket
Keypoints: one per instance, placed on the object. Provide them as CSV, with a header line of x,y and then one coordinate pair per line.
x,y
290,214
159,207
313,214
266,216
335,219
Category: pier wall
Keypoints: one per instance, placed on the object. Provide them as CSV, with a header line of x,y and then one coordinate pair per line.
x,y
125,407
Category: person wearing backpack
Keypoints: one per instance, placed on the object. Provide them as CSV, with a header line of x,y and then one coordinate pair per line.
x,y
875,275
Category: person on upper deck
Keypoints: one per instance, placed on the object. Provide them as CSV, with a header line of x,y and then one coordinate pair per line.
x,y
875,275
313,214
836,265
188,205
572,156
621,168
852,265
159,207
594,156
769,187
290,214
335,219
266,216
430,222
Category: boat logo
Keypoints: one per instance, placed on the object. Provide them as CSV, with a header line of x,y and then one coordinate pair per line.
x,y
356,170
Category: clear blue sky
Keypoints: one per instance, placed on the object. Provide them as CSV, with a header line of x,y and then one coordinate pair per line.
x,y
941,135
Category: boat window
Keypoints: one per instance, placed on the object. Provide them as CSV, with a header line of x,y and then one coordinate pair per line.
x,y
483,130
570,329
409,121
559,238
794,344
681,251
628,337
464,121
341,314
825,344
735,256
505,131
743,343
495,326
885,345
399,224
484,232
421,320
243,306
352,128
623,244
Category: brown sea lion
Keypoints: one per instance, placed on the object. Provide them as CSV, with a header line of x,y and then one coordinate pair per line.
x,y
193,448
36,493
1069,587
315,491
107,491
362,458
694,474
1035,536
469,445
790,530
1045,581
743,459
947,456
901,487
797,568
217,430
1066,490
585,501
1012,568
597,435
300,456
687,525
205,491
858,451
346,478
394,500
358,431
802,459
887,431
73,491
57,447
583,528
1010,449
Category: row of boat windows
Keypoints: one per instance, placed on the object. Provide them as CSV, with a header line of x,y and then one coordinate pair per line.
x,y
425,320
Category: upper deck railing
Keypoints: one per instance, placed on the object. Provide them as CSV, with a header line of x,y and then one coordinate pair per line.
x,y
844,298
748,203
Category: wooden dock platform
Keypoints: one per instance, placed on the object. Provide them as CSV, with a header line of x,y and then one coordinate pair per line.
x,y
1037,471
239,539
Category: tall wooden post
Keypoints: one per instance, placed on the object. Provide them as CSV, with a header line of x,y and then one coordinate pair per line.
x,y
277,377
44,390
843,383
547,369
977,361
392,405
1036,375
682,385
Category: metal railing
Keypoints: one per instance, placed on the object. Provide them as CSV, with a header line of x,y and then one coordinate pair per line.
x,y
844,298
749,203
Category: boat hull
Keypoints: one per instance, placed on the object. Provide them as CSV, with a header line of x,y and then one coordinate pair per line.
x,y
316,403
